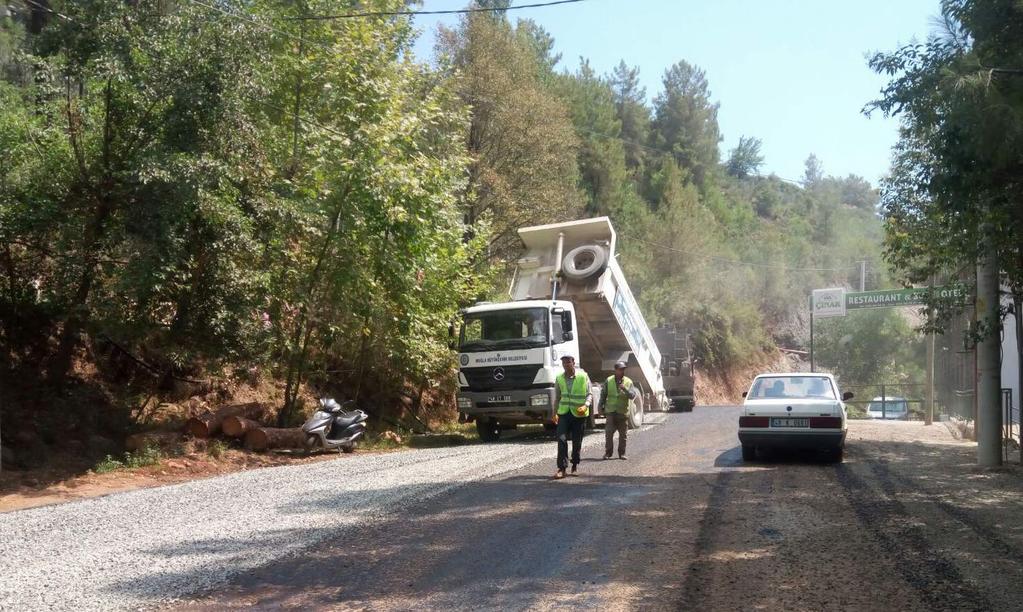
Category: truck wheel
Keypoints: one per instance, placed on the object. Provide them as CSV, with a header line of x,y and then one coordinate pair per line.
x,y
749,453
584,262
636,413
489,430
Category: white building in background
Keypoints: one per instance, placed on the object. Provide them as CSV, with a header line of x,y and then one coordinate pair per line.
x,y
1010,361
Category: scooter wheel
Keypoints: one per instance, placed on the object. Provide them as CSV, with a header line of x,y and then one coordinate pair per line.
x,y
310,444
348,448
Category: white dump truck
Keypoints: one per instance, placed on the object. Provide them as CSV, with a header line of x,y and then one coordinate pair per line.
x,y
568,297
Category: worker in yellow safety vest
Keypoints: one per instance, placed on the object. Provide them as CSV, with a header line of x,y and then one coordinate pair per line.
x,y
618,391
574,401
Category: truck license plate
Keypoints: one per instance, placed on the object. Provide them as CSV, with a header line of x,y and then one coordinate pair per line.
x,y
499,398
790,422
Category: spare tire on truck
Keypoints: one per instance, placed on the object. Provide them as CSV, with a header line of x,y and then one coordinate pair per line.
x,y
584,262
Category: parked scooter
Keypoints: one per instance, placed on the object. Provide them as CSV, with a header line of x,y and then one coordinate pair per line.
x,y
332,427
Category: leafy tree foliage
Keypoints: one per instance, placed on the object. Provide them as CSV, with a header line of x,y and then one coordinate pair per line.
x,y
745,159
520,140
685,120
958,166
208,190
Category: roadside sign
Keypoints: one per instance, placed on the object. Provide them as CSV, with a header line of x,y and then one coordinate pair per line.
x,y
900,297
828,302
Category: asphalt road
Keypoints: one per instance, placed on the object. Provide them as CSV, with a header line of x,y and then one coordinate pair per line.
x,y
683,524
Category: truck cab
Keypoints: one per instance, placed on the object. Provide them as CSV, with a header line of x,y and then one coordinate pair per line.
x,y
509,356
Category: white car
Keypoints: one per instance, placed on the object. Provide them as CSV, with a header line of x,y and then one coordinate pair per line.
x,y
797,411
888,408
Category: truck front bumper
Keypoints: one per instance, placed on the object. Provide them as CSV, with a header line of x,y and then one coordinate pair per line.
x,y
514,406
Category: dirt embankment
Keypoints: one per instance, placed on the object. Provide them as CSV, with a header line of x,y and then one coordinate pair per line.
x,y
717,387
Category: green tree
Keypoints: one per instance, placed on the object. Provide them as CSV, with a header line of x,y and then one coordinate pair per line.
x,y
959,162
685,120
520,139
601,152
745,159
633,113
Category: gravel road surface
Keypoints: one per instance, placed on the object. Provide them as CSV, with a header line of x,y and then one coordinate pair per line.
x,y
142,548
906,523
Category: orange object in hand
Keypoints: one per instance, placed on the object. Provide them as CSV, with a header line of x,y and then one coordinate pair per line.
x,y
580,411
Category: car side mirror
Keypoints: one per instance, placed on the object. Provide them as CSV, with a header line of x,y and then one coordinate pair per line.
x,y
744,393
848,395
566,336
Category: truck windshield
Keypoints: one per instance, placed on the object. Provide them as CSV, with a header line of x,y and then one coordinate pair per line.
x,y
505,330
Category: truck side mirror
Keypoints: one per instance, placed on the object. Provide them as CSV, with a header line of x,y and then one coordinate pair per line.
x,y
451,336
744,393
566,321
566,336
848,395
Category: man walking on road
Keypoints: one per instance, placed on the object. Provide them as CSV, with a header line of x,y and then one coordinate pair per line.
x,y
574,400
618,391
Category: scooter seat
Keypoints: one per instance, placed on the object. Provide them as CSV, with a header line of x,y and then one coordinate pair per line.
x,y
347,419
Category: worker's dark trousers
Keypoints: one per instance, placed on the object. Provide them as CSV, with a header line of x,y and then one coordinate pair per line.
x,y
616,421
572,426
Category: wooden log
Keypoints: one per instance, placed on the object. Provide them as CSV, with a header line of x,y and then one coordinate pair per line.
x,y
266,438
155,439
238,426
209,424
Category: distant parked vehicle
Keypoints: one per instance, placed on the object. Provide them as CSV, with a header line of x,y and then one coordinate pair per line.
x,y
797,411
890,408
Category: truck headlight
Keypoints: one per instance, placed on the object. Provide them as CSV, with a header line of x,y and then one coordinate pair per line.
x,y
464,403
540,399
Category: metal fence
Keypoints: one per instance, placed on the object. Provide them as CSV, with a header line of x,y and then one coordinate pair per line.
x,y
1010,426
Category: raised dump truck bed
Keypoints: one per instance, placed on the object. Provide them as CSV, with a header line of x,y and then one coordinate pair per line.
x,y
569,296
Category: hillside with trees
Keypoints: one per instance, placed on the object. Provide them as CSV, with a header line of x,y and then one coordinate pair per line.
x,y
202,196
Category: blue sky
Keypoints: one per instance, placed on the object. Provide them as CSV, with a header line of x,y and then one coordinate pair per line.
x,y
792,73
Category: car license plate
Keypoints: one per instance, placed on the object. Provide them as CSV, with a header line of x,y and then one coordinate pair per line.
x,y
790,422
499,398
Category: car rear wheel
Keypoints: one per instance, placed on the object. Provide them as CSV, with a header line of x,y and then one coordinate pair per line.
x,y
749,453
835,455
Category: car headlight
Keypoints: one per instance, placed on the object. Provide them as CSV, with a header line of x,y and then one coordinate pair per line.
x,y
464,403
540,399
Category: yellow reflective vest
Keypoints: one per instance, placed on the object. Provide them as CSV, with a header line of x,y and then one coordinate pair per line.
x,y
617,402
572,398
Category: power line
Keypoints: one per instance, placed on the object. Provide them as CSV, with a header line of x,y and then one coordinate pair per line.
x,y
260,24
478,9
737,262
49,10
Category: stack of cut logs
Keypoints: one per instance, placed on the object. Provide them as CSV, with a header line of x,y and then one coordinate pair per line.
x,y
241,421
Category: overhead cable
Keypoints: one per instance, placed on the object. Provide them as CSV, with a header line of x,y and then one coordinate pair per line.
x,y
477,9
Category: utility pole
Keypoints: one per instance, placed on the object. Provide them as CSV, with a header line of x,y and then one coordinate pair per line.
x,y
929,414
989,367
811,334
863,276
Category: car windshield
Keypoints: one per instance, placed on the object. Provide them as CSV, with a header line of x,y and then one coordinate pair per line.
x,y
891,405
792,387
504,330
